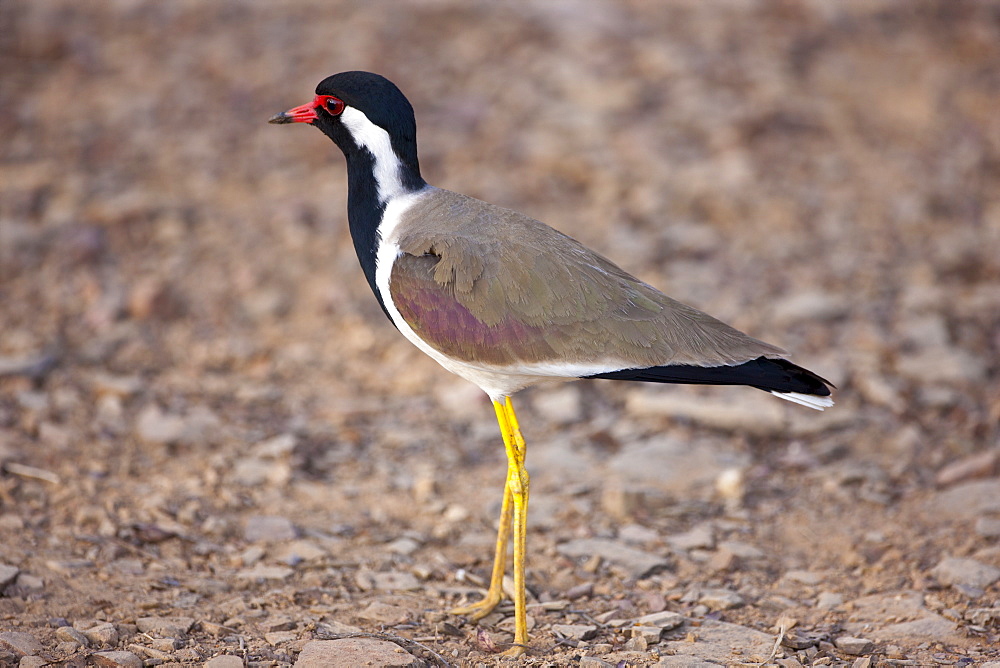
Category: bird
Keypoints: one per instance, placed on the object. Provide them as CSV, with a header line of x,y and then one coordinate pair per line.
x,y
506,302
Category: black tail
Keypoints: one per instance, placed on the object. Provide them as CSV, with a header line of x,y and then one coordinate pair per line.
x,y
770,375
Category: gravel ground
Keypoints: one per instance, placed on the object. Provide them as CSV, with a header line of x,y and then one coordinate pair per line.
x,y
213,444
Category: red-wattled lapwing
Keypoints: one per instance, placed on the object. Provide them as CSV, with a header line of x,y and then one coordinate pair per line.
x,y
505,301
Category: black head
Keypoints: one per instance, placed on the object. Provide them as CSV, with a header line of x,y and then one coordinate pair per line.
x,y
377,98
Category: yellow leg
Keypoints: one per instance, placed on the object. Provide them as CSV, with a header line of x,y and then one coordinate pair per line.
x,y
518,483
513,512
494,594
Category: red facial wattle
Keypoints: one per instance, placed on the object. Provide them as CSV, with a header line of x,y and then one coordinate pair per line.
x,y
308,113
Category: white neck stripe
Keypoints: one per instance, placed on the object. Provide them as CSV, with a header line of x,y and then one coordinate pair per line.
x,y
377,142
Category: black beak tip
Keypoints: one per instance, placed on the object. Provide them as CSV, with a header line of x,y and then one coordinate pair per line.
x,y
281,119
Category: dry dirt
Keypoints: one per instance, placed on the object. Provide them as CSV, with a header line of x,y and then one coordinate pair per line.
x,y
204,414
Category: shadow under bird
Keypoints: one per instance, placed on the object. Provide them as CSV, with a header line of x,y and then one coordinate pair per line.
x,y
506,302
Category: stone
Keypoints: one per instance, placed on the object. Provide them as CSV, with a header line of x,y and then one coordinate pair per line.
x,y
828,600
714,643
69,634
742,550
862,662
870,612
32,662
384,613
252,472
670,464
262,573
575,631
804,577
404,545
964,571
637,534
268,528
159,428
720,599
580,591
810,306
685,662
8,574
354,652
116,660
278,637
665,620
386,581
637,563
931,628
750,416
941,365
298,551
102,635
22,644
699,537
165,627
980,465
983,616
854,646
965,501
988,527
650,633
278,446
224,661
29,582
594,662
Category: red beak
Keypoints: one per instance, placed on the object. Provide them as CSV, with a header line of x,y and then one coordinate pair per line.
x,y
305,113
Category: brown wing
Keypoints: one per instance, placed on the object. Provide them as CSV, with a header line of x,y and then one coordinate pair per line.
x,y
488,285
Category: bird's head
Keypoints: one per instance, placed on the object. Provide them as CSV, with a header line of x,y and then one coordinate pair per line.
x,y
357,110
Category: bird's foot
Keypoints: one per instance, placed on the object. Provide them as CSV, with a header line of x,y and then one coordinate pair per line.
x,y
515,651
479,609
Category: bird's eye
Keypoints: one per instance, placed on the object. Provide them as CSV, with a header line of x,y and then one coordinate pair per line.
x,y
333,105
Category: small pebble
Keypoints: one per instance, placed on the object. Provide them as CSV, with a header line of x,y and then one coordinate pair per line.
x,y
116,660
102,635
580,591
963,571
854,646
828,600
165,627
637,562
268,528
404,545
355,652
701,536
22,644
650,633
262,573
387,581
664,620
32,662
721,599
224,661
637,643
594,662
69,634
988,527
8,574
575,631
810,578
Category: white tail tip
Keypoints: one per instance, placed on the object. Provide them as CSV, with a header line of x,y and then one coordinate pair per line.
x,y
807,400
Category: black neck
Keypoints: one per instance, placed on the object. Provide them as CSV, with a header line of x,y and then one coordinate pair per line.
x,y
365,211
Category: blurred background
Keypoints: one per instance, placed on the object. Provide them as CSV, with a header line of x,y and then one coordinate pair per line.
x,y
188,343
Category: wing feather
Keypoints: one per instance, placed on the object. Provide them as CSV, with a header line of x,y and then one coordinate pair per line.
x,y
491,286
